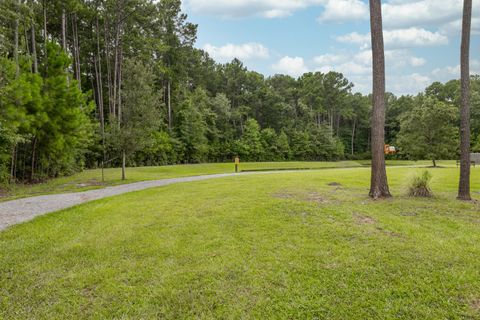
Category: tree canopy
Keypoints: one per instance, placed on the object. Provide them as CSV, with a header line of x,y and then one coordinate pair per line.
x,y
83,82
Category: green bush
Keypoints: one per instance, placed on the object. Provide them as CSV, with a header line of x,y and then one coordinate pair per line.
x,y
420,185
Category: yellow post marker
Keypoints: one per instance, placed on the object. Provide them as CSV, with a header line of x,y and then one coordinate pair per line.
x,y
237,163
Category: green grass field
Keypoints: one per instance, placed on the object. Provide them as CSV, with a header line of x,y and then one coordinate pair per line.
x,y
92,179
304,245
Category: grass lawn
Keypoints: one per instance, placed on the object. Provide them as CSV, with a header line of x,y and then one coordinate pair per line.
x,y
92,179
283,246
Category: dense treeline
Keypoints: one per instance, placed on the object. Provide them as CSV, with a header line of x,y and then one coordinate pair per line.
x,y
86,81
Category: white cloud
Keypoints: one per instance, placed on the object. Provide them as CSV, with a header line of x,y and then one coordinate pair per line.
x,y
360,63
407,24
401,58
293,66
455,27
363,40
246,8
398,38
407,84
398,14
344,10
417,62
413,37
441,14
420,13
357,67
330,59
244,51
453,72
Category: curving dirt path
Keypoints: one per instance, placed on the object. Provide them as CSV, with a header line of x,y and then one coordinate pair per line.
x,y
22,210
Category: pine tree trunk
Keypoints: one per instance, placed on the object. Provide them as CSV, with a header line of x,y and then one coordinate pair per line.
x,y
331,124
34,147
99,76
64,30
25,36
13,162
45,33
34,48
116,63
76,51
120,63
124,160
15,50
379,184
169,101
464,185
109,72
353,135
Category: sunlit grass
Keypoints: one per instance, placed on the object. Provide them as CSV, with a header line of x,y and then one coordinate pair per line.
x,y
92,179
286,246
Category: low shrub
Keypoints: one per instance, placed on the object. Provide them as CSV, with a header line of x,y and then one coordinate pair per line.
x,y
420,185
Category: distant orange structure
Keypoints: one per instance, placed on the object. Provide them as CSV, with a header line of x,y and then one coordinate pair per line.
x,y
390,150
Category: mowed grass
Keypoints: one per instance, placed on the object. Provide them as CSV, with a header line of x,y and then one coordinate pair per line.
x,y
92,179
305,245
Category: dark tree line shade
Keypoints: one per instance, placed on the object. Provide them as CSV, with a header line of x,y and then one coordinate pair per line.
x,y
120,82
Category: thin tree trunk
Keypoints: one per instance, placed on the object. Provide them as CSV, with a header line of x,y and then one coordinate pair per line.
x,y
353,135
12,165
434,163
24,162
109,72
98,73
45,33
93,83
115,77
115,67
76,51
34,147
27,41
338,125
119,100
464,185
169,101
331,124
124,159
15,50
34,48
64,30
379,184
25,35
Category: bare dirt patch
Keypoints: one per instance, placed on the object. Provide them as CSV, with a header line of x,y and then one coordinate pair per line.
x,y
89,183
408,214
389,233
335,184
284,195
362,219
309,196
315,197
475,305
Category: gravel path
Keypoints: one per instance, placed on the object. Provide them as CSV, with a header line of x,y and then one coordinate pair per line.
x,y
21,210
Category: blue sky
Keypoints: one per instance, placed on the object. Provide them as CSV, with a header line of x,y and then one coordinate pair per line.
x,y
295,36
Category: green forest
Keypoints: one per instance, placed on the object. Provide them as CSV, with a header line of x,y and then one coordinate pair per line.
x,y
86,82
